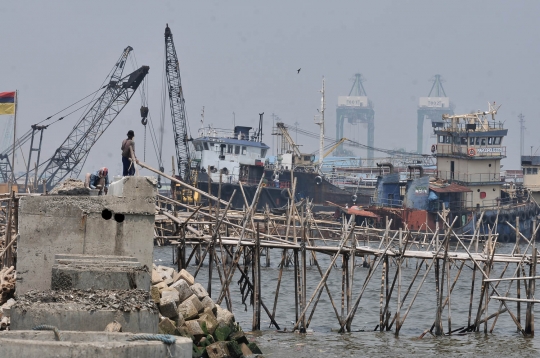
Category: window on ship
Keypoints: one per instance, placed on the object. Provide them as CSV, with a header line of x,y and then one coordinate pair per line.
x,y
244,150
483,141
230,148
471,141
490,140
464,140
441,139
236,149
497,140
263,153
205,145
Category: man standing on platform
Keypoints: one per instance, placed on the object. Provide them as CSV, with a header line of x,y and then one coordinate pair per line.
x,y
128,152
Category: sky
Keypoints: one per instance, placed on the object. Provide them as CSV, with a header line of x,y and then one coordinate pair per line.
x,y
242,57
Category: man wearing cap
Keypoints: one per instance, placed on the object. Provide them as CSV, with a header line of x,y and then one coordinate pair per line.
x,y
98,180
128,152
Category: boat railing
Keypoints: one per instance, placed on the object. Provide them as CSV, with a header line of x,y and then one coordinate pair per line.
x,y
480,126
282,184
393,203
439,205
210,132
469,178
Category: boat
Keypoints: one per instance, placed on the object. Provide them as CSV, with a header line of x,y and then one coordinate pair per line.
x,y
466,189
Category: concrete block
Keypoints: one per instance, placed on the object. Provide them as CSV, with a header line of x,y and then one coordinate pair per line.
x,y
41,344
245,349
156,277
170,293
207,302
165,272
166,326
187,310
167,307
73,317
254,348
234,349
186,276
225,317
218,350
208,323
168,281
113,327
179,320
160,286
183,289
199,291
54,224
154,292
196,303
194,329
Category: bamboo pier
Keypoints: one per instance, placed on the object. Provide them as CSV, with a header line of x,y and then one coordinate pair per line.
x,y
229,242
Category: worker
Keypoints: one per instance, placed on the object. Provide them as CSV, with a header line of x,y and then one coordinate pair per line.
x,y
98,180
128,152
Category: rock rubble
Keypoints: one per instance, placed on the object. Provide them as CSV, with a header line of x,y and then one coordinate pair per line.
x,y
187,310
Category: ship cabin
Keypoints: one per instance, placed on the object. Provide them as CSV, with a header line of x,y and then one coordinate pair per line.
x,y
469,150
530,164
236,156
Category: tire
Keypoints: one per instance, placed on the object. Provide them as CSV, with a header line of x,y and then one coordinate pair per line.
x,y
505,238
285,194
522,216
318,180
491,219
353,198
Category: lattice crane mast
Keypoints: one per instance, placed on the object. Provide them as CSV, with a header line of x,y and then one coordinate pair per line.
x,y
178,110
115,75
71,155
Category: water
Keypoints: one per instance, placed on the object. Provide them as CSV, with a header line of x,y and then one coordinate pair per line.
x,y
324,341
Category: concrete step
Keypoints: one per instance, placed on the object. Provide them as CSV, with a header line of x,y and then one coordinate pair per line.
x,y
90,263
68,277
94,257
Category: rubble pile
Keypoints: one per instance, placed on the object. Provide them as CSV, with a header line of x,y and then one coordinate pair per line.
x,y
187,310
71,187
92,300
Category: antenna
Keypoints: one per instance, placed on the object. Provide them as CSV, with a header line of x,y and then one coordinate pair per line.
x,y
522,133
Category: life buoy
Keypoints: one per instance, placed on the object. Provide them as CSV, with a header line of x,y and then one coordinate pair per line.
x,y
227,189
433,148
318,180
370,221
471,152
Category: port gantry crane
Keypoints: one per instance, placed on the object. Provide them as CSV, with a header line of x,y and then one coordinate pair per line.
x,y
178,110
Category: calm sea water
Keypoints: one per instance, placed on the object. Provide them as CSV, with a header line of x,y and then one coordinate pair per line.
x,y
323,339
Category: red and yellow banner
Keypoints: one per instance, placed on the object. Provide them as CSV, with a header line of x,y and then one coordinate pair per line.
x,y
7,103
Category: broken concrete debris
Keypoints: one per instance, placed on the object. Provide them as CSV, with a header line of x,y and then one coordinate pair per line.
x,y
191,313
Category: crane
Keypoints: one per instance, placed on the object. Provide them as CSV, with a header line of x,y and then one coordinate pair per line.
x,y
5,167
178,110
333,147
292,146
72,153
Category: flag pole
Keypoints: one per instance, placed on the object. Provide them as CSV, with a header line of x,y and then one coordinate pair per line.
x,y
14,140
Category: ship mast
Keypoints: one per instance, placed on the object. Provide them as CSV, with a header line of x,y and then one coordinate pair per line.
x,y
321,124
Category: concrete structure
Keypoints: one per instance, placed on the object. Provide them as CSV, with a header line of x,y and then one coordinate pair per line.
x,y
530,164
120,224
99,272
42,344
77,317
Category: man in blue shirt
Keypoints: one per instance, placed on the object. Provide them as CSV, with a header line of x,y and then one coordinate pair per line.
x,y
98,180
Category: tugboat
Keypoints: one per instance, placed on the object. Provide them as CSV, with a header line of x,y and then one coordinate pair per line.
x,y
467,185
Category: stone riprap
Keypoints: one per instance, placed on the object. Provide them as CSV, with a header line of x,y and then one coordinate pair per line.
x,y
191,313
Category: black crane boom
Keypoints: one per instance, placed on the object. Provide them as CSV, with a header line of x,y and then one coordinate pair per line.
x,y
178,111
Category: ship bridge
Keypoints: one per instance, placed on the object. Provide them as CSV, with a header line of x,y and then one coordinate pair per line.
x,y
469,150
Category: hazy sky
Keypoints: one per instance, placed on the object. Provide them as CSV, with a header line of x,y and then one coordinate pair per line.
x,y
242,57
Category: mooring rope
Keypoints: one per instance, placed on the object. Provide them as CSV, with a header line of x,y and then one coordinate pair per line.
x,y
165,338
46,327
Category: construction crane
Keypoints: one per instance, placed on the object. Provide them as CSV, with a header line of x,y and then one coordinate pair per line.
x,y
178,110
5,167
72,153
